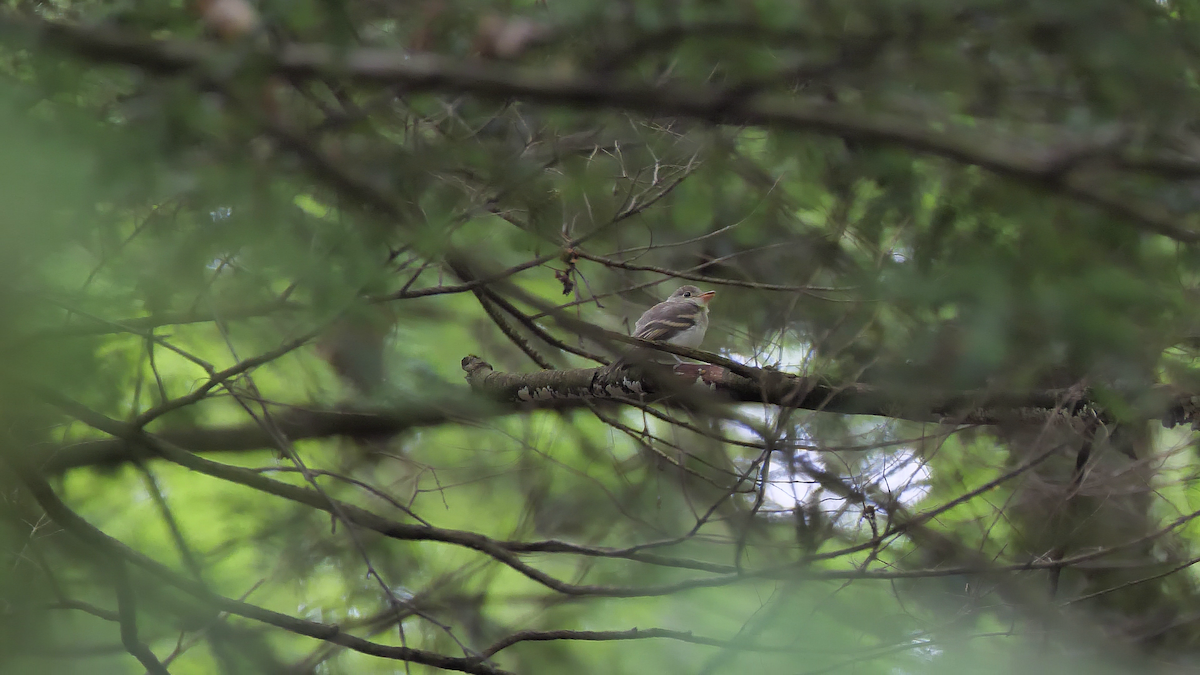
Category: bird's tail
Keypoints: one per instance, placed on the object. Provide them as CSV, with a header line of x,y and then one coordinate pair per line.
x,y
630,356
616,366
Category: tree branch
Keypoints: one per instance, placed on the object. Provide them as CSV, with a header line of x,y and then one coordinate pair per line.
x,y
76,525
1039,165
296,424
127,610
754,385
502,393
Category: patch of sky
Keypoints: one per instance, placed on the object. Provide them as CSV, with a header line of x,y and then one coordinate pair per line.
x,y
895,470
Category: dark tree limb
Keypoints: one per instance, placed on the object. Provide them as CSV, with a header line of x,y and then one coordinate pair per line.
x,y
754,385
500,393
295,423
127,611
632,634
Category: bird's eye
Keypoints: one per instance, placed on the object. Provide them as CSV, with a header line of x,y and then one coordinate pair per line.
x,y
687,294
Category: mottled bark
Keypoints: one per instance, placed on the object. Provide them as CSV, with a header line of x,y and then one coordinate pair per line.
x,y
738,383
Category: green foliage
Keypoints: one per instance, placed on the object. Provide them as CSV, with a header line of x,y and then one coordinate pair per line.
x,y
928,207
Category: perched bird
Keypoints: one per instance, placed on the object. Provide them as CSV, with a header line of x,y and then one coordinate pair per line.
x,y
679,320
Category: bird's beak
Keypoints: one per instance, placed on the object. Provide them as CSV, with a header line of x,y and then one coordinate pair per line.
x,y
705,297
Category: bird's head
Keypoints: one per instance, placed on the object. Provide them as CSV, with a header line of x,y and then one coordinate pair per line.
x,y
692,294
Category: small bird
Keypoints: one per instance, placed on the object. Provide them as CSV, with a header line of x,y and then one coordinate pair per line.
x,y
681,319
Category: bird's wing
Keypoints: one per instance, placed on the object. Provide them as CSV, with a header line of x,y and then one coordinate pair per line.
x,y
664,320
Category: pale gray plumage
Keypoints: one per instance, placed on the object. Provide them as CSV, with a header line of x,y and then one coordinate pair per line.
x,y
681,319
